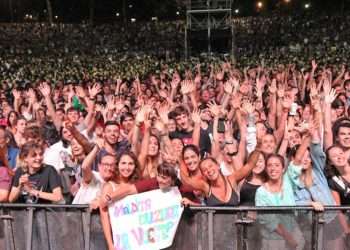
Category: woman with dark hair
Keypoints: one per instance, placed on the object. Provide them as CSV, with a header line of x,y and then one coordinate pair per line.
x,y
12,121
312,188
21,125
280,230
338,175
149,156
36,182
219,190
191,158
252,183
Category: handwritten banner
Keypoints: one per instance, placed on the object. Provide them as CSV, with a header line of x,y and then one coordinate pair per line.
x,y
146,221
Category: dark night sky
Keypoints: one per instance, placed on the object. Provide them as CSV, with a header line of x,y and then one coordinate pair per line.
x,y
105,10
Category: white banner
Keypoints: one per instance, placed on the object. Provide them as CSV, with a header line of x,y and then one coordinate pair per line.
x,y
146,221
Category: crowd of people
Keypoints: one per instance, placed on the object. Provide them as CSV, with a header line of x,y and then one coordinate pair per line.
x,y
83,129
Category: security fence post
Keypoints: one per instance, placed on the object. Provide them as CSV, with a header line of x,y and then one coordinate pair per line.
x,y
317,230
242,235
210,229
30,228
86,216
8,233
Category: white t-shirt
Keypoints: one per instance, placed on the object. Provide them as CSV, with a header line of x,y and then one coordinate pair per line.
x,y
88,192
53,155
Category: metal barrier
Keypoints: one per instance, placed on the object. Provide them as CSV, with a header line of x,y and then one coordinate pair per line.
x,y
41,226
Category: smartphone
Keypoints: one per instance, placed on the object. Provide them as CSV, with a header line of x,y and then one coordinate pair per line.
x,y
221,126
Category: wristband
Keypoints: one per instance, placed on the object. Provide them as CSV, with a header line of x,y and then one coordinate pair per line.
x,y
108,198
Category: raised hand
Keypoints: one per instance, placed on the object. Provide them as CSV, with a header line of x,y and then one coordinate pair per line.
x,y
45,89
273,87
196,116
163,111
187,87
248,107
313,65
94,90
111,104
215,109
330,96
118,104
80,91
16,94
175,81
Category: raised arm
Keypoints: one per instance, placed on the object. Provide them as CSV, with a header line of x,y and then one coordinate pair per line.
x,y
145,142
272,104
196,134
196,184
329,96
215,111
46,92
87,164
243,172
105,220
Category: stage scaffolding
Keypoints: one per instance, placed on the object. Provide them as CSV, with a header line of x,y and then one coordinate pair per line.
x,y
209,16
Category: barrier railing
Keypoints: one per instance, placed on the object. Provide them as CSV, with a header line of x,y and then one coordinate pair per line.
x,y
43,226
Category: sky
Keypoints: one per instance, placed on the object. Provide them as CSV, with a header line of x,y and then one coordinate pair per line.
x,y
112,10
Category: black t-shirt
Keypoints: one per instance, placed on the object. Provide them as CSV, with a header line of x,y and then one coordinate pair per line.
x,y
45,180
247,194
186,138
343,193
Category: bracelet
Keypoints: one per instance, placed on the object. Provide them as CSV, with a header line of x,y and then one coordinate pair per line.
x,y
108,198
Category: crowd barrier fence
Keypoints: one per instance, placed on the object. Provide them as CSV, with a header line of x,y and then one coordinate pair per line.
x,y
43,226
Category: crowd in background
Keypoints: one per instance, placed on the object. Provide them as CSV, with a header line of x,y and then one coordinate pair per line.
x,y
81,124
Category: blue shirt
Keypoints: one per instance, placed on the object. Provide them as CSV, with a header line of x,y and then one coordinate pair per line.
x,y
264,197
12,156
319,190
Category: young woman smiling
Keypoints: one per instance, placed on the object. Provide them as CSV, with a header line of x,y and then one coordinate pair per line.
x,y
128,171
37,182
281,230
219,190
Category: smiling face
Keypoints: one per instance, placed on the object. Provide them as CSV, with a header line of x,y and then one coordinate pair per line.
x,y
274,168
77,149
306,161
126,166
107,166
34,158
268,144
153,147
260,165
343,137
337,157
191,160
111,134
21,125
210,169
182,121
